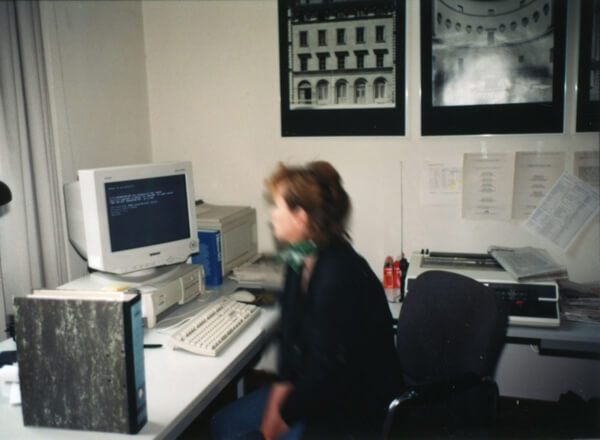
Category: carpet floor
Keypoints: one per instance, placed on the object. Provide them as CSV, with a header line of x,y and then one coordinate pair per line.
x,y
570,417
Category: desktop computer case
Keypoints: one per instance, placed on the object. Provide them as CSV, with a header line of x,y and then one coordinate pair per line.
x,y
238,232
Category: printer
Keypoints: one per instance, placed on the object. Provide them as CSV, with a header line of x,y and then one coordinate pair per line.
x,y
528,303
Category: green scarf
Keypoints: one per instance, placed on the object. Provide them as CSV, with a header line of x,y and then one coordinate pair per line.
x,y
295,254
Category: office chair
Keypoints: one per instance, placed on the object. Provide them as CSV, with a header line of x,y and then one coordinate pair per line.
x,y
450,333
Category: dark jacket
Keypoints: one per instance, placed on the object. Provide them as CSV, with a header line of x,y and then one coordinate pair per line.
x,y
337,346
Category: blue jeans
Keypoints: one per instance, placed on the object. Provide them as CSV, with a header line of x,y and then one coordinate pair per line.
x,y
240,420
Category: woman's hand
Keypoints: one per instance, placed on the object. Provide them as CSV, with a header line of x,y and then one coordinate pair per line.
x,y
272,425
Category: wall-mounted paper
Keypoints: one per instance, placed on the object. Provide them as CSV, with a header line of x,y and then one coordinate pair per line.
x,y
587,167
535,174
441,181
487,186
565,211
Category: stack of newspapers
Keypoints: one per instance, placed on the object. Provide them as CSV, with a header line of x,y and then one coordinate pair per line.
x,y
528,263
580,302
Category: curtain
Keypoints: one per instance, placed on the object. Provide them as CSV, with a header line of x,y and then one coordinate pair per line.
x,y
32,251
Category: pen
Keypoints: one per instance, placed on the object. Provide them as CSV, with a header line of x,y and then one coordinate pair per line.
x,y
152,345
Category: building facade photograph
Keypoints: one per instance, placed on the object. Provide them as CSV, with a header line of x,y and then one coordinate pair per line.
x,y
341,53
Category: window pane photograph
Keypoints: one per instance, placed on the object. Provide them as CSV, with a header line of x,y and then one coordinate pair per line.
x,y
492,66
588,87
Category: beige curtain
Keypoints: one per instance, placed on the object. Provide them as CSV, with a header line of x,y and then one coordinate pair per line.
x,y
31,229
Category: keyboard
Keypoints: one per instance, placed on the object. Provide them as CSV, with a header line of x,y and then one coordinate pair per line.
x,y
210,330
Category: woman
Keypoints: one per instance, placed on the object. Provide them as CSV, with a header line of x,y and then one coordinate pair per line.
x,y
337,361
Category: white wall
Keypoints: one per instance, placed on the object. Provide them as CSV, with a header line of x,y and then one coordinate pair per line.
x,y
213,88
97,81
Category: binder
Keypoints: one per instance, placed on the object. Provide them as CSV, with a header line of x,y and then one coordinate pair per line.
x,y
81,360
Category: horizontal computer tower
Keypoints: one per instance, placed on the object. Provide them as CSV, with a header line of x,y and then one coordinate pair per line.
x,y
161,288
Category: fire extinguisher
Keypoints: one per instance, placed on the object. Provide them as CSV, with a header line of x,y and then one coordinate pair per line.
x,y
388,273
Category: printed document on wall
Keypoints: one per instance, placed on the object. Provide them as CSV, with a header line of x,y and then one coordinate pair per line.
x,y
487,186
587,167
565,211
535,174
441,181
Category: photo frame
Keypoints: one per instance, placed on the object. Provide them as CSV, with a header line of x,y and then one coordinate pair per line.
x,y
492,71
342,68
588,83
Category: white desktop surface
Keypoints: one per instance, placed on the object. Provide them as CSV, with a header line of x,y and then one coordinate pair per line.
x,y
179,385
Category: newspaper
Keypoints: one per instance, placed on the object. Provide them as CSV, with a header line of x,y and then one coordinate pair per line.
x,y
528,263
580,302
581,309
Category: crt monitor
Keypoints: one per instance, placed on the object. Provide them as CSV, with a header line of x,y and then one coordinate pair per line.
x,y
134,217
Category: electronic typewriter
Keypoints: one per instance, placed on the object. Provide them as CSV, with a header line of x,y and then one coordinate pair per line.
x,y
529,303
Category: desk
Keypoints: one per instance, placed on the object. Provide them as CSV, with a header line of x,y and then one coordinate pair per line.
x,y
543,363
179,384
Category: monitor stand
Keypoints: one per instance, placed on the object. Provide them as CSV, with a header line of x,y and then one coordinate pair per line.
x,y
144,276
161,287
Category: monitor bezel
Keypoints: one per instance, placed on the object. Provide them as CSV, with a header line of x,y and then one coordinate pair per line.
x,y
96,223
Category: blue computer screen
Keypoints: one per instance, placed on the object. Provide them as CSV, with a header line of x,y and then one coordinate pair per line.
x,y
145,212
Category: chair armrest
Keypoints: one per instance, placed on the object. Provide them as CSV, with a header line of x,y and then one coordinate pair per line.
x,y
391,410
432,392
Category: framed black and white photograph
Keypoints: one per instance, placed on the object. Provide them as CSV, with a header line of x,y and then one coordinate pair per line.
x,y
342,67
588,84
492,67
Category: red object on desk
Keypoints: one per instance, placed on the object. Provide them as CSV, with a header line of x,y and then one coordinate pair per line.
x,y
388,273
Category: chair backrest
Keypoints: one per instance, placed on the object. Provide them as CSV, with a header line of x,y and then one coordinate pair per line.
x,y
449,325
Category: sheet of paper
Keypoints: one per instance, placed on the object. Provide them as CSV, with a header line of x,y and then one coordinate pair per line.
x,y
487,186
535,174
441,181
15,394
587,167
565,211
